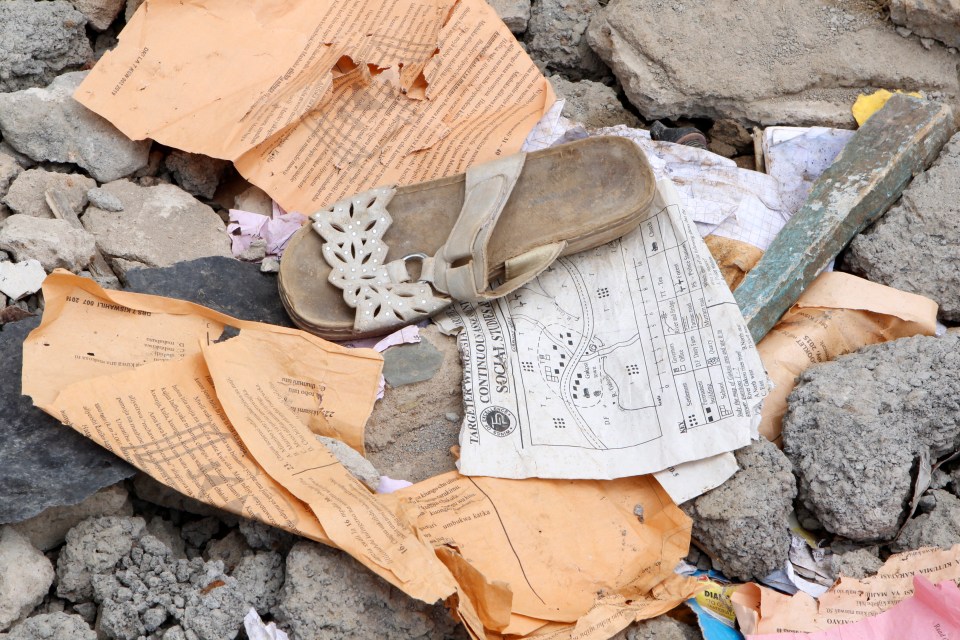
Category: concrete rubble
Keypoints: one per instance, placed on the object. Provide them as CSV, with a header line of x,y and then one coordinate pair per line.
x,y
90,551
196,174
592,103
25,576
914,246
39,41
27,193
514,13
936,19
743,523
52,626
158,226
901,400
55,244
555,38
330,596
800,65
48,125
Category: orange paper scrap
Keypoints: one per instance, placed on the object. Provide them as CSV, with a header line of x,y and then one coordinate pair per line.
x,y
232,421
837,314
314,100
932,613
764,611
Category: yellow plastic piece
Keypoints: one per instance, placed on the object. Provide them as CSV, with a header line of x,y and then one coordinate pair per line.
x,y
868,104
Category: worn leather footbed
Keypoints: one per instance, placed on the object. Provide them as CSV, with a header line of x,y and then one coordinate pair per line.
x,y
588,193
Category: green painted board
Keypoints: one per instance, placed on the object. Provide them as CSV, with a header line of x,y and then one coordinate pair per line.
x,y
898,142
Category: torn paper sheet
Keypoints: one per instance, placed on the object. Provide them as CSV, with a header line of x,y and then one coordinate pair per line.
x,y
611,614
553,566
797,156
765,611
932,613
229,422
314,100
719,196
275,231
691,479
837,314
618,361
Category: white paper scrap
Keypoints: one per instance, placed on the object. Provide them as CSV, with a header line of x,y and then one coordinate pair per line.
x,y
691,479
19,279
619,361
257,630
797,156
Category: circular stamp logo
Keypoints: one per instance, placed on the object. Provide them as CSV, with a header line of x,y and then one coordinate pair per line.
x,y
498,421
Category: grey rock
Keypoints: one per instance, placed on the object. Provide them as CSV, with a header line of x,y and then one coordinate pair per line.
x,y
196,174
27,194
48,124
355,463
38,41
19,279
330,596
856,427
255,200
20,159
592,103
410,363
938,19
151,589
9,170
858,563
260,576
25,577
159,226
938,528
87,611
408,436
49,529
731,133
263,537
555,38
227,285
198,532
94,546
52,626
56,244
270,264
800,67
662,628
256,252
99,13
42,462
514,13
167,533
105,200
229,550
743,523
915,246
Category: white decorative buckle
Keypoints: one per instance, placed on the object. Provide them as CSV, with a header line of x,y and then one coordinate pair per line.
x,y
352,230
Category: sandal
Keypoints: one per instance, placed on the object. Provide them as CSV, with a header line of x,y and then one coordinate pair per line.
x,y
348,275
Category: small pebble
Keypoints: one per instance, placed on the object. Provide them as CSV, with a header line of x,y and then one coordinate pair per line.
x,y
270,265
452,417
103,199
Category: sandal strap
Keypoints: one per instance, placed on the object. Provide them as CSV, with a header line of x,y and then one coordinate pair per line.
x,y
460,267
383,293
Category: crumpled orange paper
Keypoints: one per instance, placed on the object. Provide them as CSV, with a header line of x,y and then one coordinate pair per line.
x,y
233,422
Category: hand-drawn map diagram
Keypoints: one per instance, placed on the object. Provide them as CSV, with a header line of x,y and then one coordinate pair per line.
x,y
620,360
